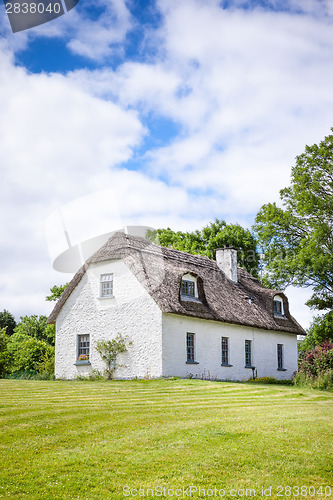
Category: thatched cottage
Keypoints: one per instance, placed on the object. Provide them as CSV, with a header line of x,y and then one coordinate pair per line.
x,y
185,315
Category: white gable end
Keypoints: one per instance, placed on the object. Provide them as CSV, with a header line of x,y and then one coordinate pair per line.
x,y
130,311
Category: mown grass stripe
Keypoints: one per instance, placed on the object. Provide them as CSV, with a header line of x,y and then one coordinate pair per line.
x,y
82,440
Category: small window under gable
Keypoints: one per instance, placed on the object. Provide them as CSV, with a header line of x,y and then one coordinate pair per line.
x,y
106,285
189,287
278,306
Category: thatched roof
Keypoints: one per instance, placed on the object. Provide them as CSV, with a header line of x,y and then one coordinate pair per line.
x,y
160,271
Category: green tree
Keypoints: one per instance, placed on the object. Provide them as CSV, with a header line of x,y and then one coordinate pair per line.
x,y
27,353
297,238
56,292
36,327
215,235
7,321
108,350
4,355
320,330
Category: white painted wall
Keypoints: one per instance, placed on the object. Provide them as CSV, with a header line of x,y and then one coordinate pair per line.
x,y
131,312
208,350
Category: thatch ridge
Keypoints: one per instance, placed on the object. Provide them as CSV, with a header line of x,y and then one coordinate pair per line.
x,y
160,270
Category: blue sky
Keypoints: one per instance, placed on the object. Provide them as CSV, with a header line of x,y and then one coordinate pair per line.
x,y
179,111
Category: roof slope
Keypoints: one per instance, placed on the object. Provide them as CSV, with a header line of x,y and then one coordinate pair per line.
x,y
160,271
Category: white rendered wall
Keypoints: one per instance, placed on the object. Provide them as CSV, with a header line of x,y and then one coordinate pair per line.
x,y
208,350
131,312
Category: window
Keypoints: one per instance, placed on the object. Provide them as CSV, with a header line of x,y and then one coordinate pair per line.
x,y
248,353
83,347
188,288
225,351
190,347
278,306
106,285
280,356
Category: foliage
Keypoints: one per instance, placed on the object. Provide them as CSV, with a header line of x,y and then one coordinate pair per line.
x,y
269,380
22,375
4,355
93,375
321,329
324,381
216,235
36,327
7,321
297,239
108,350
318,360
29,353
56,292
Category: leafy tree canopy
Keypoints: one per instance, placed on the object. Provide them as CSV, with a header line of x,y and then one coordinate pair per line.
x,y
297,239
4,355
205,241
320,330
27,352
36,327
7,321
56,292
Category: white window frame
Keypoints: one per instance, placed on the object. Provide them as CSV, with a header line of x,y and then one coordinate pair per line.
x,y
106,286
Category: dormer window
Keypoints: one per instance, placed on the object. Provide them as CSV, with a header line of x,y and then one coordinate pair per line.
x,y
189,287
278,306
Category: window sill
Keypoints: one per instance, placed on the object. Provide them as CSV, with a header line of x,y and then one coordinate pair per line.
x,y
249,366
281,369
108,297
82,363
280,316
192,362
189,298
226,364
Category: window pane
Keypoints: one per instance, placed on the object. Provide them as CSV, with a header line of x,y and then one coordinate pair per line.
x,y
83,345
248,354
280,356
190,346
106,285
225,351
106,277
188,288
277,307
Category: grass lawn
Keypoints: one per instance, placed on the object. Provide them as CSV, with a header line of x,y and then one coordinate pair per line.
x,y
89,440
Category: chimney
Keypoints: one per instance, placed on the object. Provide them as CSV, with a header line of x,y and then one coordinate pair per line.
x,y
226,259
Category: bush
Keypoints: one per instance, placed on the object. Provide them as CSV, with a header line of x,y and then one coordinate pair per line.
x,y
320,330
29,353
22,374
269,380
318,360
316,367
324,381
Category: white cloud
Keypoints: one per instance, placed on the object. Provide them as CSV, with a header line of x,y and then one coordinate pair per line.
x,y
247,89
95,39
